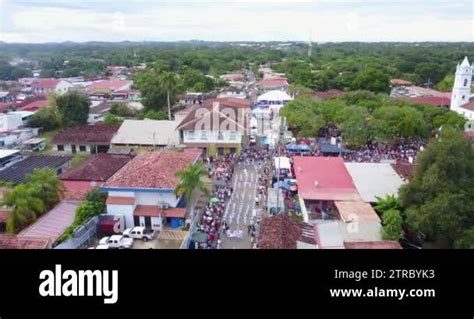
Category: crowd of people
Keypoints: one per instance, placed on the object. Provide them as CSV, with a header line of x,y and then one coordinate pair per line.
x,y
221,169
376,152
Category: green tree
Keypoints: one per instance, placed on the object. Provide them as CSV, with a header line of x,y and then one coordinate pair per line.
x,y
190,181
391,225
47,118
389,202
74,108
446,84
168,84
465,239
47,184
121,109
439,199
25,202
110,119
371,79
155,115
93,205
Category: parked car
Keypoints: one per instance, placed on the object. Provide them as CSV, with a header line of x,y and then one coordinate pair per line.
x,y
117,241
139,232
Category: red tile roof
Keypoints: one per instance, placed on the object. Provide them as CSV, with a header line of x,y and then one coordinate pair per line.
x,y
154,211
99,134
34,106
197,113
400,82
96,168
4,213
45,83
107,85
405,170
468,106
383,244
114,200
324,178
16,242
273,83
231,102
328,94
282,232
153,170
433,100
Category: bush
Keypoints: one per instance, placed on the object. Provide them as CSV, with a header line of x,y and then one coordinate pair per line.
x,y
110,119
46,118
156,115
121,109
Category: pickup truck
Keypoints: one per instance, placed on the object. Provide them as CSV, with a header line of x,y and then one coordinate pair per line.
x,y
139,232
117,241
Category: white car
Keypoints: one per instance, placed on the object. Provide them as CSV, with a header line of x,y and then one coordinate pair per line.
x,y
139,232
117,241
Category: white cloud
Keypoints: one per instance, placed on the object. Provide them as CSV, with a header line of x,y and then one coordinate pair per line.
x,y
237,20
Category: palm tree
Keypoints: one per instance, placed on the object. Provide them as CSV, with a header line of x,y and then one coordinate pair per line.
x,y
168,84
191,180
49,186
388,203
25,203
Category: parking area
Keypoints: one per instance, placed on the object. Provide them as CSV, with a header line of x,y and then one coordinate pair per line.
x,y
167,239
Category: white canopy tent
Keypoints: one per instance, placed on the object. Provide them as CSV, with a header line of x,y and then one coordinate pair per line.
x,y
275,96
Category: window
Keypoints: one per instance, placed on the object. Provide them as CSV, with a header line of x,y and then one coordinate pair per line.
x,y
60,148
463,97
82,148
73,149
204,135
232,135
465,82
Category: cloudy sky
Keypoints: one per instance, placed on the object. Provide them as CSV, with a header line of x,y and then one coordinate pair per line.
x,y
234,20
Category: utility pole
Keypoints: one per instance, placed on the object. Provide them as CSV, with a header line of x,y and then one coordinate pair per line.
x,y
279,142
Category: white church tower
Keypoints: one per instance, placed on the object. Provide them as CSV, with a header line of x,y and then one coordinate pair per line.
x,y
462,86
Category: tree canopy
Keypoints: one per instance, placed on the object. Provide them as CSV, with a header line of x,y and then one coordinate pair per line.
x,y
439,199
73,108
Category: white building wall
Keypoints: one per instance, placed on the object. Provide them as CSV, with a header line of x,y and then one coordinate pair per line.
x,y
63,87
153,198
225,137
123,210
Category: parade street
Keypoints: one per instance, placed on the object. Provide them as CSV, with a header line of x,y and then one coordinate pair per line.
x,y
241,209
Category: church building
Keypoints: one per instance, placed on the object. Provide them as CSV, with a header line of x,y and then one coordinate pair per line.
x,y
461,101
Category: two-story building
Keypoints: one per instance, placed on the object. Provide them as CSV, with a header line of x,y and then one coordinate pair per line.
x,y
217,127
44,86
141,193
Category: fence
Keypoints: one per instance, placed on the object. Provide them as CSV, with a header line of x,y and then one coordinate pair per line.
x,y
83,236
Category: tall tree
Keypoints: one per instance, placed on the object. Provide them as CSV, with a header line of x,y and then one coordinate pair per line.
x,y
48,185
25,202
392,223
191,180
439,199
168,84
74,108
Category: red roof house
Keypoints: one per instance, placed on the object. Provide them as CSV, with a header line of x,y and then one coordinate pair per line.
x,y
34,106
273,84
91,174
324,179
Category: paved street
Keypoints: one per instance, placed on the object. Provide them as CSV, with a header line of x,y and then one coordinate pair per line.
x,y
241,210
